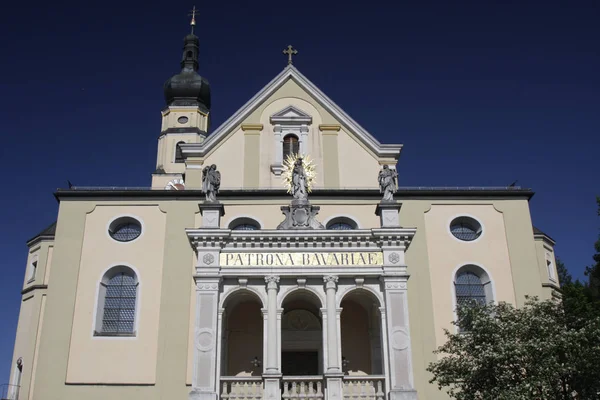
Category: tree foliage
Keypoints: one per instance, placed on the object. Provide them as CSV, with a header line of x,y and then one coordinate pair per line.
x,y
534,352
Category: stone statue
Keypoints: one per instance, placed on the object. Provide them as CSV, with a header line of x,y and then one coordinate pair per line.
x,y
299,182
388,183
211,181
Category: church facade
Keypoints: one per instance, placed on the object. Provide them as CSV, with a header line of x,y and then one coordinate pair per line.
x,y
272,257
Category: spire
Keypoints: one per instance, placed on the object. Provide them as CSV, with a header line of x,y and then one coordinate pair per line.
x,y
193,21
188,87
189,60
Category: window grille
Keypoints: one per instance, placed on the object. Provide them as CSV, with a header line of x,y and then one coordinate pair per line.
x,y
464,228
125,229
245,227
469,289
119,304
340,226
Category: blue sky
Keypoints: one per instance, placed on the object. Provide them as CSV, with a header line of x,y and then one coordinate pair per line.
x,y
480,93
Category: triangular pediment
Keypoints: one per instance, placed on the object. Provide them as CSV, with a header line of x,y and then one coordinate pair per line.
x,y
291,114
379,150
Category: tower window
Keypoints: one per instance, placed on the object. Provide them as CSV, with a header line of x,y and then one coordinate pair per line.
x,y
178,154
290,145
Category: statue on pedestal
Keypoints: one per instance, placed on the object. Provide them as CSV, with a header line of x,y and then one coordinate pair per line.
x,y
299,186
298,177
211,181
388,183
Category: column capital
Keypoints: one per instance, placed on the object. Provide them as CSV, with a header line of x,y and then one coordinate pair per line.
x,y
272,281
330,281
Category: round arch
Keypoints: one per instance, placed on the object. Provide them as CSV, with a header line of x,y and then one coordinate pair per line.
x,y
312,292
369,291
230,296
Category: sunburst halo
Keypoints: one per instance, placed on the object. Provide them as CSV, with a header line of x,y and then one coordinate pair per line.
x,y
288,168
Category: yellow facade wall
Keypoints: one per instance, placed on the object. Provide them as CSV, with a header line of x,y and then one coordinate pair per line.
x,y
92,358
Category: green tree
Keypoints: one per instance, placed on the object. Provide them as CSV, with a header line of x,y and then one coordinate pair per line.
x,y
534,352
593,271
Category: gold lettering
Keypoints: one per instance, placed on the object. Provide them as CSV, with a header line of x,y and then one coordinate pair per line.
x,y
305,259
362,258
344,257
371,258
238,259
279,260
296,259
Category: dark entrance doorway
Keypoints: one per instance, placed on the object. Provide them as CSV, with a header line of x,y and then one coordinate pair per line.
x,y
300,363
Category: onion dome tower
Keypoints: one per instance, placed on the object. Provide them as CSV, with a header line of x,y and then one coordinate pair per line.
x,y
188,88
186,117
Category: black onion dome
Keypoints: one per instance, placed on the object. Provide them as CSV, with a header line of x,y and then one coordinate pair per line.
x,y
188,88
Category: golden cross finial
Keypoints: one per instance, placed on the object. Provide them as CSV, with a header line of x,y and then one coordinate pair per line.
x,y
290,51
193,15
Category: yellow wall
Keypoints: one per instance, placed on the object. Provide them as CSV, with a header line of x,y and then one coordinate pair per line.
x,y
357,166
446,254
92,358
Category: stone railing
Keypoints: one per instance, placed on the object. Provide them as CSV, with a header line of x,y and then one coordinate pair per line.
x,y
241,388
367,387
302,387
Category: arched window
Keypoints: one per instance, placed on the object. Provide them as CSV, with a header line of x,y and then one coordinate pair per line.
x,y
117,303
342,223
472,285
244,224
290,146
178,154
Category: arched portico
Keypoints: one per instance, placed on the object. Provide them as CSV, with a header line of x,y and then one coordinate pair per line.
x,y
361,333
301,334
242,334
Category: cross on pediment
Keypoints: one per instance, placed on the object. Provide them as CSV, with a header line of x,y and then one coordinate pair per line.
x,y
290,51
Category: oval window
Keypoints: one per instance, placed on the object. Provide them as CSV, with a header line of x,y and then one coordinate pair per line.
x,y
125,229
182,120
465,228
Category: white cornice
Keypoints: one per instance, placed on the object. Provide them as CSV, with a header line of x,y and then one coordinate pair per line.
x,y
300,240
290,72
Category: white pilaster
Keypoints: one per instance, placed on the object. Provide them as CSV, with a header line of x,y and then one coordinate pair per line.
x,y
401,384
332,334
333,372
272,373
204,379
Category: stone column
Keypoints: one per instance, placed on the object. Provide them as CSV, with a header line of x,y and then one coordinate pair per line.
x,y
333,372
272,374
204,377
332,342
398,337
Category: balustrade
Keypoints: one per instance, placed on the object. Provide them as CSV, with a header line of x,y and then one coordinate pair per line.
x,y
302,387
368,387
241,388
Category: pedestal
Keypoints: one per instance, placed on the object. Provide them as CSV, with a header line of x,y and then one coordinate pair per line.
x,y
272,386
211,214
335,387
389,214
300,214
